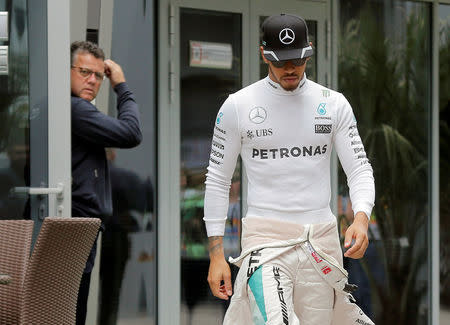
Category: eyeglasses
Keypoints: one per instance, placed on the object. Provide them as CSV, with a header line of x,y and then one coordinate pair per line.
x,y
296,62
86,73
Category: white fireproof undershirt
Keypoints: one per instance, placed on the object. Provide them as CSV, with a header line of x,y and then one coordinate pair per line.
x,y
285,139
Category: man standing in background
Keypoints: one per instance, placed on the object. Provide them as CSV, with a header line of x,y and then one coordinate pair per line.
x,y
92,132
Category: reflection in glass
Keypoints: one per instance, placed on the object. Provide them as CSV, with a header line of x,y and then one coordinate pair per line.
x,y
128,286
204,87
14,111
128,247
311,66
444,168
384,71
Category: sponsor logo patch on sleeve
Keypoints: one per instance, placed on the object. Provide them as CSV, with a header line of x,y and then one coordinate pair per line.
x,y
323,128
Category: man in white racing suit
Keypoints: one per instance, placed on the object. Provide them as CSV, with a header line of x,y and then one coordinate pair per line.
x,y
285,127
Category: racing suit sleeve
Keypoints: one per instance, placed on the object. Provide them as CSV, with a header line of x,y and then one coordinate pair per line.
x,y
97,128
225,148
353,158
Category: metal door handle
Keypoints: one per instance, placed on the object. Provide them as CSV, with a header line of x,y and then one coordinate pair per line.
x,y
59,190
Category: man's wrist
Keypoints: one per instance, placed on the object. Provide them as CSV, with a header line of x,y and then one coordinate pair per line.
x,y
215,246
362,218
117,85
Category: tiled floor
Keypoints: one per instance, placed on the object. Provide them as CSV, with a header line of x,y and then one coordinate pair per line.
x,y
445,317
204,314
208,314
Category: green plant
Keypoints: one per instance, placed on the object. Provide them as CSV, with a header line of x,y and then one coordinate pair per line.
x,y
386,77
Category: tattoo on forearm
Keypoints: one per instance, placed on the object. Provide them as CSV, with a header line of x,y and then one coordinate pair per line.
x,y
215,243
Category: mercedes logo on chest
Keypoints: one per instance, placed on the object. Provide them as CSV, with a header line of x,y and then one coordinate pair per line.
x,y
287,36
257,115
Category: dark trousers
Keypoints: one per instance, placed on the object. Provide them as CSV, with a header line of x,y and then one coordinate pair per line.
x,y
83,292
114,257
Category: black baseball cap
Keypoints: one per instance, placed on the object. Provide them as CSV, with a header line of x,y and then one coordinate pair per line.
x,y
285,37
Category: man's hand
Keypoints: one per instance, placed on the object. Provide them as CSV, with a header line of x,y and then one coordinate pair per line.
x,y
114,72
357,231
218,270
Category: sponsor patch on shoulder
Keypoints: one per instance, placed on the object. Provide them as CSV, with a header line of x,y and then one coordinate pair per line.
x,y
326,93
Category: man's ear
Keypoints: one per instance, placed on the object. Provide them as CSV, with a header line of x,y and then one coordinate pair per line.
x,y
261,49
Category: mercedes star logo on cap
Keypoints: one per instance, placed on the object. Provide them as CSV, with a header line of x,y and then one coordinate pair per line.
x,y
287,36
257,115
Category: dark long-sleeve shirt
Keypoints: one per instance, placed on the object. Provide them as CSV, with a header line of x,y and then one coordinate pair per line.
x,y
92,131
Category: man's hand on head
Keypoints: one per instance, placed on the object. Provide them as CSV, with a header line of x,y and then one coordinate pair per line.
x,y
114,72
358,232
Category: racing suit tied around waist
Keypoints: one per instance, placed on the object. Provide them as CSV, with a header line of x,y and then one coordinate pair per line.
x,y
326,265
320,242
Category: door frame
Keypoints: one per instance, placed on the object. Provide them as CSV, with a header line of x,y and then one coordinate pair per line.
x,y
59,110
169,265
49,111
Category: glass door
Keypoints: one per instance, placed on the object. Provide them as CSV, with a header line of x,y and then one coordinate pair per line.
x,y
34,123
394,124
14,111
210,69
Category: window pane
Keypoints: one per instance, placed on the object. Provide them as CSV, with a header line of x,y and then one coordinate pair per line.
x,y
129,253
206,80
14,114
384,71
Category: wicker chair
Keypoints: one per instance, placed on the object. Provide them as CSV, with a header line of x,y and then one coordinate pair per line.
x,y
54,271
15,241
